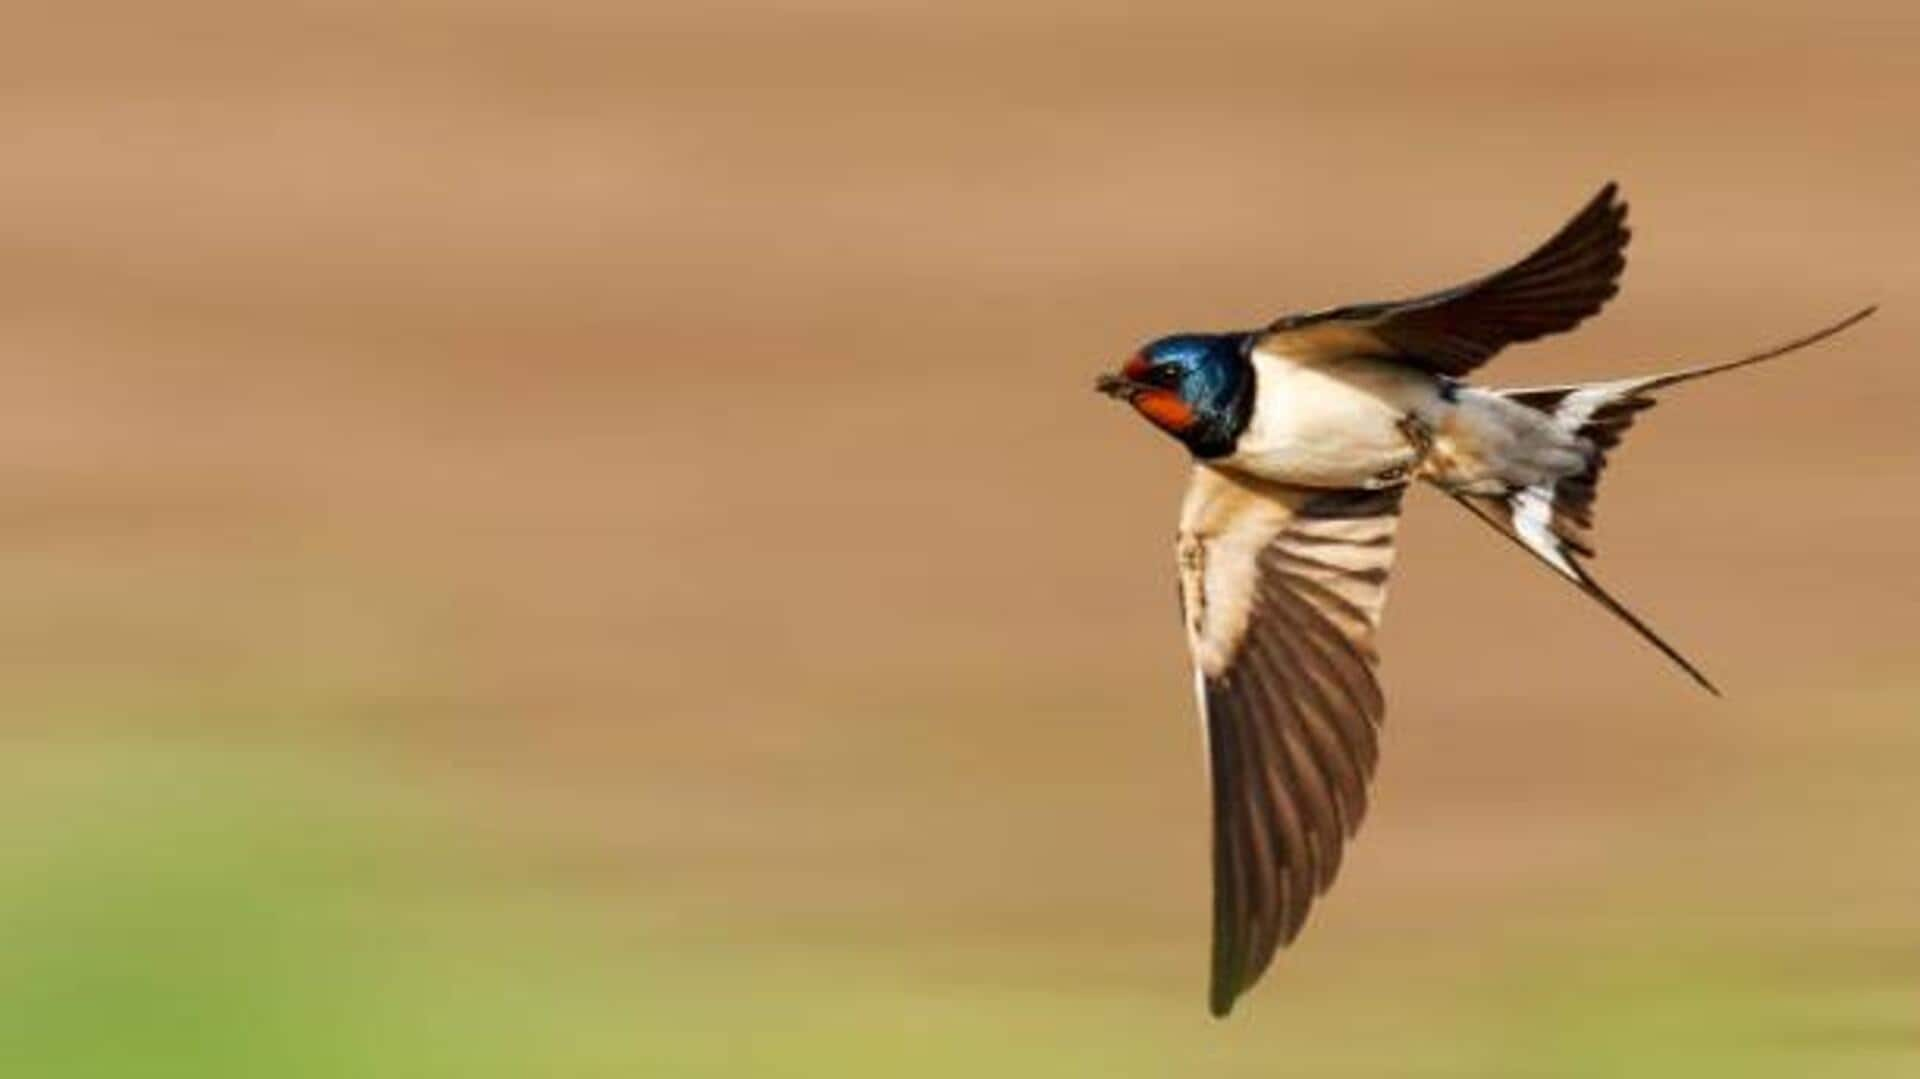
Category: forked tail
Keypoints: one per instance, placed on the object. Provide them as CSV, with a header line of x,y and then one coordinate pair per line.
x,y
1554,520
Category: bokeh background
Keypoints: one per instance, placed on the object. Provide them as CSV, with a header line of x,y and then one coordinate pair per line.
x,y
573,539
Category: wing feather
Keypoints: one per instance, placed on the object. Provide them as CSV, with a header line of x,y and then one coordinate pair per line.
x,y
1282,589
1451,332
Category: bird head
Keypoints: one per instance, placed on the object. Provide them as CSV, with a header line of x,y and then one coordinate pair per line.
x,y
1197,387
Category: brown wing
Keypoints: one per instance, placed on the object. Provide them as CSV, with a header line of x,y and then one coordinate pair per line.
x,y
1282,589
1452,332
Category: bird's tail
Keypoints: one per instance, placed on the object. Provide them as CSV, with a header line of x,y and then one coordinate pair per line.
x,y
1554,520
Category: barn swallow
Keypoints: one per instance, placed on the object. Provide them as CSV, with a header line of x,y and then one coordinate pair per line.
x,y
1305,436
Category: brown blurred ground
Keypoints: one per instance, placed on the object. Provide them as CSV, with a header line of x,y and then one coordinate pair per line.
x,y
675,423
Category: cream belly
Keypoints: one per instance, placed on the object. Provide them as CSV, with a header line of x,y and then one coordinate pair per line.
x,y
1334,423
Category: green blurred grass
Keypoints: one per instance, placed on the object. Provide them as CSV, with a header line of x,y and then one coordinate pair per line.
x,y
171,910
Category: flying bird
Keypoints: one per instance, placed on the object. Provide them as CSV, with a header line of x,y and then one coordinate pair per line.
x,y
1305,436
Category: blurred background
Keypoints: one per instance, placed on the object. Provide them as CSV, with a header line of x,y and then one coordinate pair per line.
x,y
574,539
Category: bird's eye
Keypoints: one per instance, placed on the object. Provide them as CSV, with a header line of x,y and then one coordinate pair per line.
x,y
1164,375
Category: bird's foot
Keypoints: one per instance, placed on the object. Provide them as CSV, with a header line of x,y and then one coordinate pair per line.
x,y
1418,435
1421,439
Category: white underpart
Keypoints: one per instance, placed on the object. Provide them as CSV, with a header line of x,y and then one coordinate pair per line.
x,y
1330,423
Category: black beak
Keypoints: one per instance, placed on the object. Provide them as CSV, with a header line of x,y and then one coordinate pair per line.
x,y
1117,387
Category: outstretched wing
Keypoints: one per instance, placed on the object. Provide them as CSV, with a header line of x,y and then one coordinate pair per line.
x,y
1452,332
1282,589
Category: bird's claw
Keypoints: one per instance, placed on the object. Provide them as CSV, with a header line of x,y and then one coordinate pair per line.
x,y
1421,439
